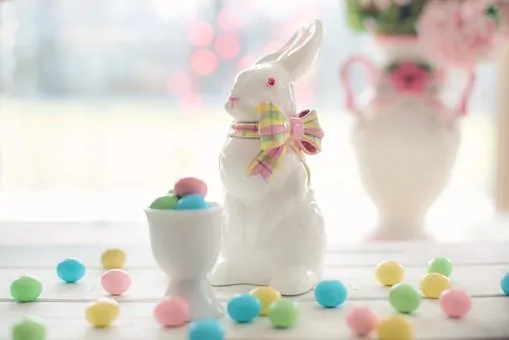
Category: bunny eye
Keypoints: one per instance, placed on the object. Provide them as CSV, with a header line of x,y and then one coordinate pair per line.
x,y
271,82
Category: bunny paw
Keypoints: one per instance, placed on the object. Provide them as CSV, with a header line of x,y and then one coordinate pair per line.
x,y
294,280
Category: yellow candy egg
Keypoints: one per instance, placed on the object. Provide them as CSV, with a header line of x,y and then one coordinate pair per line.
x,y
266,295
113,259
102,312
389,273
395,327
433,284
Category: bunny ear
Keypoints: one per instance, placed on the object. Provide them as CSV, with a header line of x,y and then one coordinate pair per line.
x,y
301,56
294,40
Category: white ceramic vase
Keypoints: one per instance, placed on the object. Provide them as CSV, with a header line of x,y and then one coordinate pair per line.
x,y
405,138
186,244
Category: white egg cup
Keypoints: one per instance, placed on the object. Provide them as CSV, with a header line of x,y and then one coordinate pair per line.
x,y
186,245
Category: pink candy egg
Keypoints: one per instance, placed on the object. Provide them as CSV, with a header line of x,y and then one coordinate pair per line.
x,y
455,303
189,186
361,320
116,281
171,312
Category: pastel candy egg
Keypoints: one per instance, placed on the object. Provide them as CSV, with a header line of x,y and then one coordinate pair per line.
x,y
102,312
395,327
29,328
330,294
440,265
113,259
389,273
433,284
361,320
192,202
26,289
455,303
404,298
206,329
168,202
504,284
70,270
243,308
171,312
283,313
190,186
266,296
116,281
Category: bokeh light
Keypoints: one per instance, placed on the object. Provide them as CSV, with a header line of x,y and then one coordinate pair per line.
x,y
179,83
245,62
227,46
201,33
228,20
190,102
203,62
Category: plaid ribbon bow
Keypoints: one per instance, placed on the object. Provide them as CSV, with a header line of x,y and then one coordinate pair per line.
x,y
277,133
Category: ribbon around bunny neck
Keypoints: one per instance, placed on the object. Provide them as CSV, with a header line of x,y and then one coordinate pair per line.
x,y
278,133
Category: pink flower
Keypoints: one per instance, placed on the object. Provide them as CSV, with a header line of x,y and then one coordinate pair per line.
x,y
408,77
458,33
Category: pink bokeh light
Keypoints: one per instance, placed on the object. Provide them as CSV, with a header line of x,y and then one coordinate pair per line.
x,y
227,46
190,101
228,20
203,62
179,83
245,62
201,33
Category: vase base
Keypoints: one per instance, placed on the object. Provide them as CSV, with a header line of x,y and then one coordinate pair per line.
x,y
410,234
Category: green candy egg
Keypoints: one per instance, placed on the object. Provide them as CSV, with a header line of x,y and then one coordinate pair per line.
x,y
29,328
26,289
168,202
283,313
440,265
404,298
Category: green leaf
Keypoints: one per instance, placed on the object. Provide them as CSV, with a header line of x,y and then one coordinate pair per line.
x,y
355,17
392,66
425,66
494,12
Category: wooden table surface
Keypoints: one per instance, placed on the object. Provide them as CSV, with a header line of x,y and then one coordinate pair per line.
x,y
478,268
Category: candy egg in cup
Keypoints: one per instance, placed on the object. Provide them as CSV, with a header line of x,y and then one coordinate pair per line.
x,y
186,244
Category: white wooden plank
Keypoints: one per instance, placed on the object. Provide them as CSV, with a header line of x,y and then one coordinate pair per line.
x,y
409,254
152,283
487,320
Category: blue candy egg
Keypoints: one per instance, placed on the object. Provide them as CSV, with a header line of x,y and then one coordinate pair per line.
x,y
504,284
71,270
330,294
243,308
206,330
192,202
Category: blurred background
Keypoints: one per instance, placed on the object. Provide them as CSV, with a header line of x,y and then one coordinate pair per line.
x,y
104,104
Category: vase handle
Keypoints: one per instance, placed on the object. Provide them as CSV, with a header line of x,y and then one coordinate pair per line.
x,y
344,76
461,110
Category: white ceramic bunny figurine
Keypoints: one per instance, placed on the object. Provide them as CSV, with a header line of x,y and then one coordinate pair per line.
x,y
273,229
